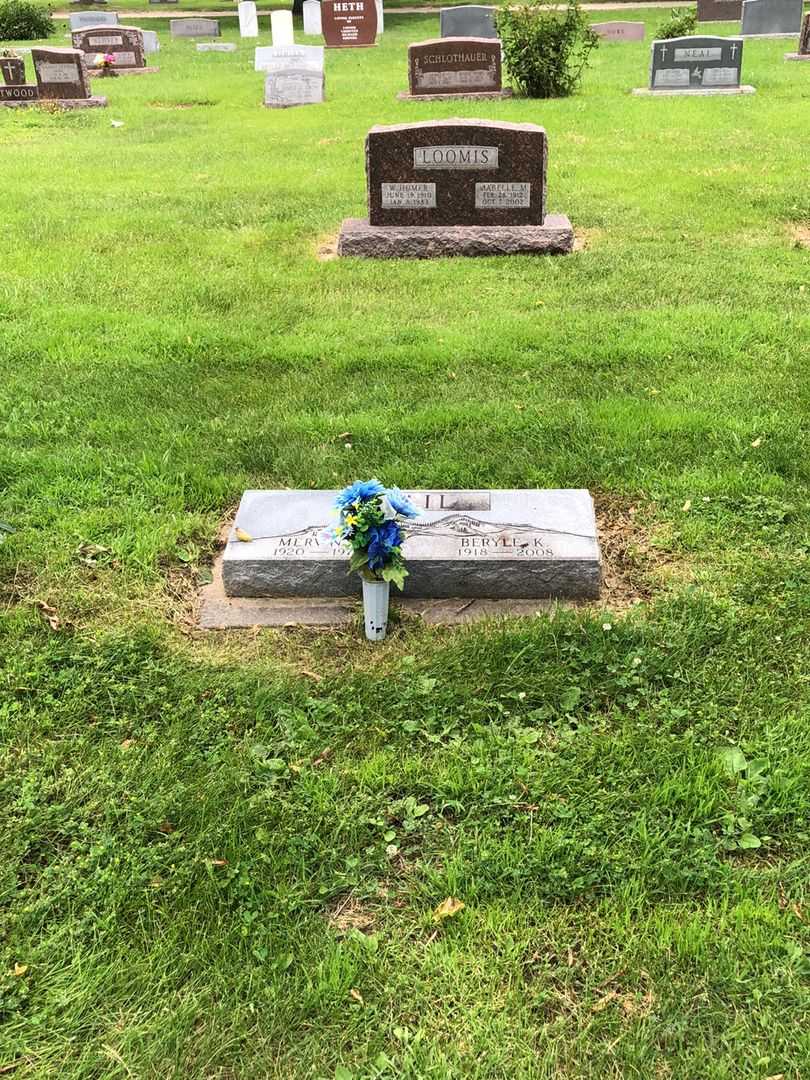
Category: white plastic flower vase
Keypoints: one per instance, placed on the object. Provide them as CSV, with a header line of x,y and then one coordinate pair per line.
x,y
375,608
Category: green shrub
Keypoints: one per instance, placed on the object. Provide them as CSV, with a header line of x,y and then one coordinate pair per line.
x,y
24,20
546,50
681,23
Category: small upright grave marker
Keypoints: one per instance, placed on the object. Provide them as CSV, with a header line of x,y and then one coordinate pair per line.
x,y
12,69
248,19
194,28
454,67
456,187
468,20
804,42
281,28
620,31
771,18
696,65
349,23
312,18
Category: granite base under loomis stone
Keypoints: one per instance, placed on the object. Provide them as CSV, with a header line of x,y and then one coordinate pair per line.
x,y
475,544
359,239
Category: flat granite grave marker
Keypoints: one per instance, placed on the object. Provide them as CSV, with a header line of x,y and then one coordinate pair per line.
x,y
312,17
469,20
349,23
719,10
620,31
456,187
804,42
12,68
123,43
513,544
696,65
454,67
62,78
248,19
771,18
216,46
77,20
193,28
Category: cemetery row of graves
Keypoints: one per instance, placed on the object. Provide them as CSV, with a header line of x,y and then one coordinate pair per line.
x,y
550,818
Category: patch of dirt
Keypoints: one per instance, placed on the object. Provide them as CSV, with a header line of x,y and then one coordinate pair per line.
x,y
800,232
630,561
327,249
348,914
583,238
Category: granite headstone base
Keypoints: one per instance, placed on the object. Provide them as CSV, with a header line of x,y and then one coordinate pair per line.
x,y
97,73
797,56
93,102
489,544
359,239
701,91
474,95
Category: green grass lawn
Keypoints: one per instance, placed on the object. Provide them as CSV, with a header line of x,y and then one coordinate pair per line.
x,y
221,853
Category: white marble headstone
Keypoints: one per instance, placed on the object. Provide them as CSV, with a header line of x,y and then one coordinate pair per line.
x,y
312,17
151,43
379,17
273,58
281,27
248,19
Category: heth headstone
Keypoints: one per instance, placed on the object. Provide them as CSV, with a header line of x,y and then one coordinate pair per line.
x,y
512,544
456,187
124,43
453,67
248,19
696,65
77,20
719,10
194,28
468,20
771,18
620,31
312,17
12,68
349,23
273,59
62,77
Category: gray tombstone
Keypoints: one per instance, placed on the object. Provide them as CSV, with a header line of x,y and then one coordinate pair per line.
x,y
501,544
771,18
293,86
77,20
696,64
194,28
469,20
620,31
151,42
216,46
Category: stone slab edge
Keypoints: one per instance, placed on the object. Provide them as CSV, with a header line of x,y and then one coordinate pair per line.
x,y
95,73
63,103
359,239
645,91
753,37
797,56
403,95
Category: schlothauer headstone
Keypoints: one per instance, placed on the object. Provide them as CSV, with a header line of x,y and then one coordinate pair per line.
x,y
62,77
456,187
248,19
696,65
455,67
124,43
468,20
194,28
281,28
495,544
719,10
771,18
620,31
349,23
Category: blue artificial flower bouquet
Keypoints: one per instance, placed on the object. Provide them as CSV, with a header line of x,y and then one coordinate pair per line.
x,y
369,528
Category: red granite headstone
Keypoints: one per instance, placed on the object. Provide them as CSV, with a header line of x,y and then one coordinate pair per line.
x,y
719,10
804,37
348,23
61,74
455,66
125,43
13,70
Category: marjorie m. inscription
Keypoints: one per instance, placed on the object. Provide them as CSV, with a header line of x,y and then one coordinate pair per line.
x,y
455,157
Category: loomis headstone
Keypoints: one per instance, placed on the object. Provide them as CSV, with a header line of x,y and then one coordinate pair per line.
x,y
349,23
124,43
696,65
281,27
514,544
248,19
312,17
456,187
469,20
771,18
79,19
194,28
719,10
620,31
62,76
449,67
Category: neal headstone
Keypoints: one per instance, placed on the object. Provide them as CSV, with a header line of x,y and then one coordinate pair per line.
x,y
281,28
312,17
77,20
771,18
62,76
349,23
456,187
511,544
696,65
274,59
469,20
719,10
248,19
194,28
124,43
452,67
620,31
12,68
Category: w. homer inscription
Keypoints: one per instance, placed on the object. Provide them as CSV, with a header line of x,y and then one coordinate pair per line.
x,y
514,544
454,67
456,187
